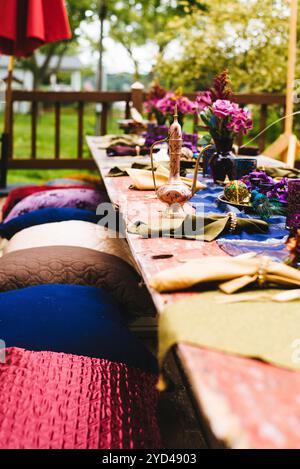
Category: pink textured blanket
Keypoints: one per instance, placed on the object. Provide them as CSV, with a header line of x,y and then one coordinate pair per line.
x,y
57,401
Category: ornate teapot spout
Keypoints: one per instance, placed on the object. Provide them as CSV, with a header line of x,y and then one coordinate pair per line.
x,y
175,193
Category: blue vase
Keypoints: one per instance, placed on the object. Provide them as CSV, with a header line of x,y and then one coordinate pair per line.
x,y
222,163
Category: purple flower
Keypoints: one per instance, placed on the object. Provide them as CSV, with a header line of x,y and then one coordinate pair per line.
x,y
254,179
237,119
264,184
161,132
240,121
203,100
167,104
223,108
150,105
280,191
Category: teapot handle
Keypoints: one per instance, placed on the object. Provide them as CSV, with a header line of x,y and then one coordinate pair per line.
x,y
151,157
197,167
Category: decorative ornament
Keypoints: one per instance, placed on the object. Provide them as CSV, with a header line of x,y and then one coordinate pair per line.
x,y
175,193
237,192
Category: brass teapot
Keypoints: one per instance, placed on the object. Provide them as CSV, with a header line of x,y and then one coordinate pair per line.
x,y
175,193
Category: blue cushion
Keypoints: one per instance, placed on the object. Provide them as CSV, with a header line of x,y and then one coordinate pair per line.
x,y
45,215
71,319
66,181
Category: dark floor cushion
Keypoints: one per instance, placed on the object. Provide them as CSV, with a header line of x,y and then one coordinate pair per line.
x,y
45,215
76,265
70,319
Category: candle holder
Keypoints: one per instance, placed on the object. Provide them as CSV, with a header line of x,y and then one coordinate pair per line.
x,y
293,206
244,166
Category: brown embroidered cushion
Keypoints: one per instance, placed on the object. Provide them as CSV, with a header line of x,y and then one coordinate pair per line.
x,y
76,265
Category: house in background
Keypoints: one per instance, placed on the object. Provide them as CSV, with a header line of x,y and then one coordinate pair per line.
x,y
70,68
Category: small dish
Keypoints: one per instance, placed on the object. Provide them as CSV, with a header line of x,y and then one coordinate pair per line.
x,y
242,207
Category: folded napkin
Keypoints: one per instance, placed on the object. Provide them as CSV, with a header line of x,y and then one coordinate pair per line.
x,y
259,329
206,228
123,150
236,271
119,171
107,141
143,180
280,172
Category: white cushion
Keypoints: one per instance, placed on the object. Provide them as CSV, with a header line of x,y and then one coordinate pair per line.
x,y
71,233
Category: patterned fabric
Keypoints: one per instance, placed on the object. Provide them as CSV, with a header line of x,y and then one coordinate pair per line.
x,y
85,199
70,319
77,266
45,215
16,195
57,401
273,248
206,202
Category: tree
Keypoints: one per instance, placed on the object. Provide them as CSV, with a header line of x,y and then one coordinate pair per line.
x,y
77,13
248,37
134,23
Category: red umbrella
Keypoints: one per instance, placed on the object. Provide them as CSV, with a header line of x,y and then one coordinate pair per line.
x,y
26,25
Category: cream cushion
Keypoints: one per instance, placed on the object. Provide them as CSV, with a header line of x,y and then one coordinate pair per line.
x,y
71,233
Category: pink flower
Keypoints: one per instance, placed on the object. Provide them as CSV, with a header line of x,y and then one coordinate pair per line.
x,y
240,121
223,108
150,104
203,100
167,104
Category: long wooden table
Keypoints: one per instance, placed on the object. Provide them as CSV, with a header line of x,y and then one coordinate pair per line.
x,y
242,403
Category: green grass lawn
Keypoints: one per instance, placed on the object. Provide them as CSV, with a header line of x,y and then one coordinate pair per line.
x,y
45,138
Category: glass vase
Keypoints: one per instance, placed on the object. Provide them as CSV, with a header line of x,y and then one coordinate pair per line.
x,y
222,163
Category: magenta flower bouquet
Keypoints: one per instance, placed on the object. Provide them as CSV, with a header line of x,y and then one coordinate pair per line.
x,y
156,93
223,119
167,105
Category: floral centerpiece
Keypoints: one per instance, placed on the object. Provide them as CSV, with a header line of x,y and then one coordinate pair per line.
x,y
223,119
161,104
155,94
167,104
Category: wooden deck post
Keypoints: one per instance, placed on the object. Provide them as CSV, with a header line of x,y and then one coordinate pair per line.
x,y
137,91
287,145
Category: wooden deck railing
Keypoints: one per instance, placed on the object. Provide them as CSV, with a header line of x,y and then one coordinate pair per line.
x,y
135,97
57,100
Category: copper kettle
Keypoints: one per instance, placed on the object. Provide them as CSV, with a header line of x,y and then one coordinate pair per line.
x,y
175,193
